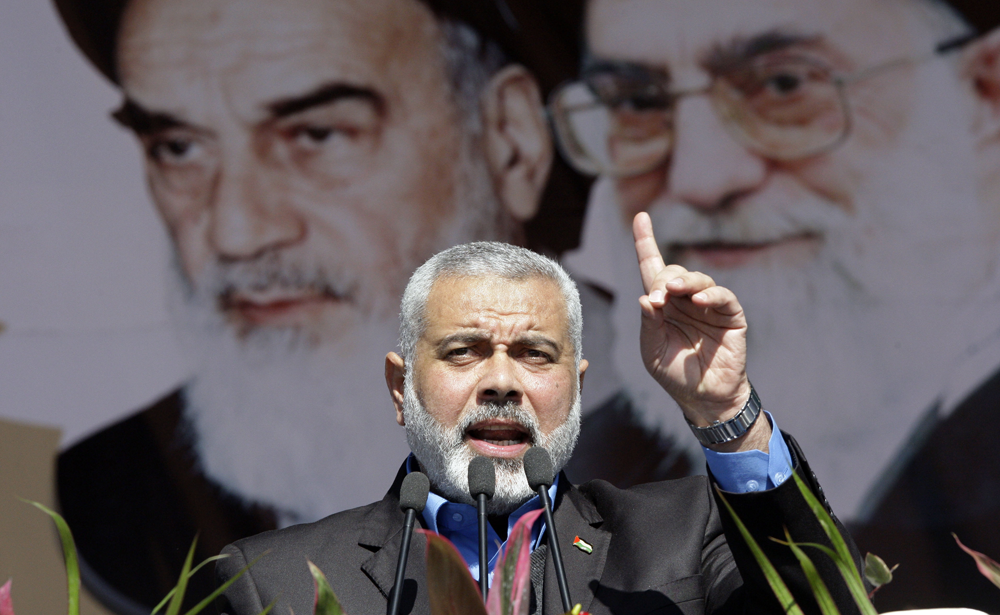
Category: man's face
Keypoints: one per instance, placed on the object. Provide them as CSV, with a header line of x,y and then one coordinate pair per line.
x,y
305,156
721,206
493,374
302,153
864,269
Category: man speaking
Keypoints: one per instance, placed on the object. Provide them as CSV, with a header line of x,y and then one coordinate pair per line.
x,y
491,365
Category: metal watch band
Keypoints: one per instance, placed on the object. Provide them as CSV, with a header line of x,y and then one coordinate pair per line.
x,y
720,433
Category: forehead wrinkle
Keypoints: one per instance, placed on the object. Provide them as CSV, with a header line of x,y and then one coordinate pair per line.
x,y
853,33
280,50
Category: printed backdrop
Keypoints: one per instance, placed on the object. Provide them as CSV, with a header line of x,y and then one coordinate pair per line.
x,y
160,272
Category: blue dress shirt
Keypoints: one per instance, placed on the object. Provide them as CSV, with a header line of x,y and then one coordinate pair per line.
x,y
735,472
459,523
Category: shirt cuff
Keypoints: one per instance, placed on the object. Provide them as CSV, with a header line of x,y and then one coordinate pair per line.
x,y
752,470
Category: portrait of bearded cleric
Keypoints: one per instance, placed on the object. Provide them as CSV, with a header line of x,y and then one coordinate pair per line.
x,y
835,164
304,158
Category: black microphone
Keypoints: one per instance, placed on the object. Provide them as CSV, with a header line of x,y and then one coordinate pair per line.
x,y
412,498
539,471
482,484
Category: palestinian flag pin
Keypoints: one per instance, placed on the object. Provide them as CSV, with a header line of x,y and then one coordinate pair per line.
x,y
582,545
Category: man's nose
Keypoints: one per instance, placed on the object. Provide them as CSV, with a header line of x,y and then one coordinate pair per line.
x,y
500,383
250,211
708,167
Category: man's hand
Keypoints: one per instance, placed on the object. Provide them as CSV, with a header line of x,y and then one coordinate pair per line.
x,y
693,340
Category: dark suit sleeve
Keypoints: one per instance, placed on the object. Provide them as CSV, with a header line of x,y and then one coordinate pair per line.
x,y
766,514
240,598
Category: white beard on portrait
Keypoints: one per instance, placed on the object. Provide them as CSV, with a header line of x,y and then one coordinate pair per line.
x,y
295,421
851,349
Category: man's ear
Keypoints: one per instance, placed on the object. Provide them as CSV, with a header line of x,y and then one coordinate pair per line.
x,y
981,65
584,363
395,379
517,140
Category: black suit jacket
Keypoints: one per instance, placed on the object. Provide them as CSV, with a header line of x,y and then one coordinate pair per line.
x,y
657,548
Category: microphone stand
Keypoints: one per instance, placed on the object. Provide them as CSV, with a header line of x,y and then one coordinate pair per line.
x,y
412,498
482,484
543,493
404,551
539,472
484,577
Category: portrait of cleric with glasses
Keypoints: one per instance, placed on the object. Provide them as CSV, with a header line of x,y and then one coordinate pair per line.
x,y
837,165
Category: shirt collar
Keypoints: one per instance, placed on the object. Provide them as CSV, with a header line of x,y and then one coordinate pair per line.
x,y
458,523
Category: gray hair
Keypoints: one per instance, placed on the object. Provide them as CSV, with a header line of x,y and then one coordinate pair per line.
x,y
483,259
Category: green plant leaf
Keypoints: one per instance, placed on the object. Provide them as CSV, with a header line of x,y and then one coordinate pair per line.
x,y
450,585
69,554
820,592
827,523
781,591
268,608
842,556
877,572
6,607
198,608
512,573
190,574
326,602
846,570
987,567
174,607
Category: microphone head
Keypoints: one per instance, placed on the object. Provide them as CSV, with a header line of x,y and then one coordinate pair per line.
x,y
413,492
538,468
482,477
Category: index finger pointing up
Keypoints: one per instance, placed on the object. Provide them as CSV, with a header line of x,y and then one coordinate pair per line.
x,y
646,249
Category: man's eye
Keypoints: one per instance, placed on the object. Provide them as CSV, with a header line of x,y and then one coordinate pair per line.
x,y
315,137
640,102
459,352
174,150
533,353
784,83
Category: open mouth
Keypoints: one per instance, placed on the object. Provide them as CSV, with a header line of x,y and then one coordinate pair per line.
x,y
498,439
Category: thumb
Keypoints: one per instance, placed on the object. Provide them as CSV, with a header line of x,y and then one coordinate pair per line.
x,y
652,317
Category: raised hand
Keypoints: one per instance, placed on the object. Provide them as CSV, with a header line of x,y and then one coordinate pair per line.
x,y
693,336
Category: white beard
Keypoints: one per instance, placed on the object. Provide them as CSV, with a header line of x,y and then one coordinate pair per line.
x,y
445,457
852,349
281,418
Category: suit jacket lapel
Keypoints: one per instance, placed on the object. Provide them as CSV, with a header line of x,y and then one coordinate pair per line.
x,y
575,516
383,534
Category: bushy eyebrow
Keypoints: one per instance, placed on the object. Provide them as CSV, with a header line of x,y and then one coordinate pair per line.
x,y
532,340
462,338
721,58
741,49
323,95
141,121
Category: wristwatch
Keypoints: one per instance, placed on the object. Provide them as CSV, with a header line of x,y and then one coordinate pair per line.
x,y
720,433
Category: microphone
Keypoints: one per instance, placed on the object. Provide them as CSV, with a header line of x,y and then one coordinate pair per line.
x,y
482,484
539,471
412,498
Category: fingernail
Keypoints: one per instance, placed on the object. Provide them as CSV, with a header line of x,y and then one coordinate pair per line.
x,y
656,296
675,282
699,296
